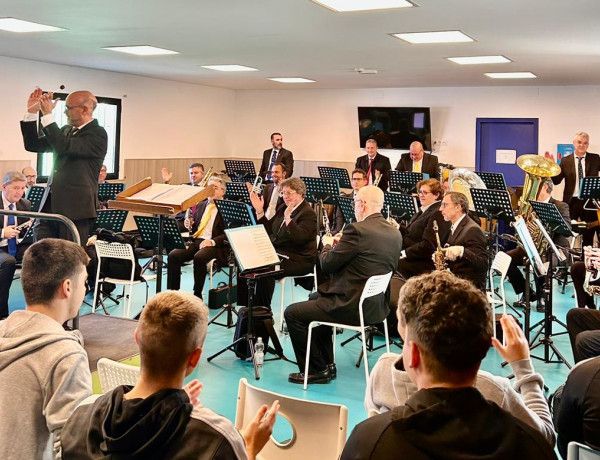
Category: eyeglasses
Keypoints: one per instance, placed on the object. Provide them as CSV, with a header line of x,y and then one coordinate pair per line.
x,y
424,192
289,192
358,179
33,176
445,205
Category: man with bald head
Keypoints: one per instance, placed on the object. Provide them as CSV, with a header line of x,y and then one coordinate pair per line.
x,y
419,161
31,176
78,150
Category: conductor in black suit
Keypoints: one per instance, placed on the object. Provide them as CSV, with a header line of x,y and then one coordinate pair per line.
x,y
419,161
78,150
11,251
276,154
573,168
466,254
374,164
371,246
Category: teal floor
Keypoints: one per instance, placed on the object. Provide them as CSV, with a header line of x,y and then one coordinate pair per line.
x,y
221,376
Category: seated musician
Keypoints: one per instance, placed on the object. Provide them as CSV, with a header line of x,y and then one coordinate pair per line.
x,y
579,271
466,247
206,226
293,232
516,278
196,172
11,251
358,181
272,191
419,236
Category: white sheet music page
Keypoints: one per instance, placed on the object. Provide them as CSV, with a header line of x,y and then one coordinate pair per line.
x,y
252,247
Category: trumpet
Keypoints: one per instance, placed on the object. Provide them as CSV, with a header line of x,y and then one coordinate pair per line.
x,y
377,179
257,186
204,181
439,260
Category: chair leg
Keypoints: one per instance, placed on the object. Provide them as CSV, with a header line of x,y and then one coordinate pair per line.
x,y
308,344
387,335
282,308
364,346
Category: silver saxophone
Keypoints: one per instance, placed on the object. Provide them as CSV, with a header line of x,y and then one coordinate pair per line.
x,y
591,274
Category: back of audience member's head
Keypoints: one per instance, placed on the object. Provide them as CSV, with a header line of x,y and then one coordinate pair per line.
x,y
172,326
46,264
450,321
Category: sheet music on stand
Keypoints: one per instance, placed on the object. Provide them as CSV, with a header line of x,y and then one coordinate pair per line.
x,y
590,189
493,204
149,229
549,214
402,206
240,170
529,246
235,214
252,248
318,188
346,204
493,181
34,195
341,174
237,191
111,219
559,254
109,191
405,181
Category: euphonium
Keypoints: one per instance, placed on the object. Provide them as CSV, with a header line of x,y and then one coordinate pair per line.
x,y
591,273
439,259
206,177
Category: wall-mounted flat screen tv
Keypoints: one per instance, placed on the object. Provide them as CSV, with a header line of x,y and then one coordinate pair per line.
x,y
395,127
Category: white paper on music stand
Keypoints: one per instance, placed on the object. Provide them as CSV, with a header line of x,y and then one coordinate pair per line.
x,y
529,246
252,247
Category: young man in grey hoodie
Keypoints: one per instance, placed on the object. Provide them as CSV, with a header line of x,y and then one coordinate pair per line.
x,y
44,370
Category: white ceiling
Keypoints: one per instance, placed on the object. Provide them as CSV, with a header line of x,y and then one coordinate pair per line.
x,y
558,40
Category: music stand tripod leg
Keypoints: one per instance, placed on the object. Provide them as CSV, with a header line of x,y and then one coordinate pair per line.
x,y
227,308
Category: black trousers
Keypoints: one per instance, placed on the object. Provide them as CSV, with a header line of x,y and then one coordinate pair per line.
x,y
583,326
177,257
578,272
52,229
7,271
576,211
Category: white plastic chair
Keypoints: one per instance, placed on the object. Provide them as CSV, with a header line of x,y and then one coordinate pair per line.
x,y
578,451
282,282
318,429
106,250
500,265
375,285
112,374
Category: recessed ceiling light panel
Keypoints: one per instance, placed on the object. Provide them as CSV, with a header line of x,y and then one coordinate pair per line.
x,y
20,26
449,36
472,60
342,6
292,80
143,50
510,75
229,68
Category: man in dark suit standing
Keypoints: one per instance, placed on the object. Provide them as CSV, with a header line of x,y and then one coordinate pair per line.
x,y
419,161
78,151
573,168
375,164
466,253
276,154
208,231
371,246
13,189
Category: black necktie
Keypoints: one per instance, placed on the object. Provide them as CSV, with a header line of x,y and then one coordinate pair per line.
x,y
273,159
579,172
12,242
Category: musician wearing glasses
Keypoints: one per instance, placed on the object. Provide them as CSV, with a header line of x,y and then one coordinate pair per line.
x,y
31,176
466,247
11,251
419,235
419,161
357,181
293,232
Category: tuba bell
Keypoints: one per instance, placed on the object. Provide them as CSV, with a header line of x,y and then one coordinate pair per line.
x,y
463,180
537,168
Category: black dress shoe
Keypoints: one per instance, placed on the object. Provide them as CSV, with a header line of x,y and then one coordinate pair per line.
x,y
319,377
332,370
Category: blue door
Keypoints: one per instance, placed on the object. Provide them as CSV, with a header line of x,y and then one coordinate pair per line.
x,y
520,134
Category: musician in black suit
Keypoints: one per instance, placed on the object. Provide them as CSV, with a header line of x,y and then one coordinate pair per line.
x,y
11,251
569,171
293,232
371,246
208,243
276,154
419,241
273,199
419,161
358,181
466,254
78,151
374,163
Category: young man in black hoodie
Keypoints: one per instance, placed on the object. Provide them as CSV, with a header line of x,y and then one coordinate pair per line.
x,y
155,419
448,333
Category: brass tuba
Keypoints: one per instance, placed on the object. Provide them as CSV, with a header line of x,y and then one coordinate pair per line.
x,y
463,180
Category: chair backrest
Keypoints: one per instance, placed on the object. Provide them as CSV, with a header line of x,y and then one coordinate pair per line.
x,y
114,250
318,429
376,284
577,451
112,374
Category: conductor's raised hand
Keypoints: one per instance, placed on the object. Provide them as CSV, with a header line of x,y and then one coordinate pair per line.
x,y
33,102
516,347
47,104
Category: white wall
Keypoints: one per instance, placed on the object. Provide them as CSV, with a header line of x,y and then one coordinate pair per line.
x,y
159,118
322,124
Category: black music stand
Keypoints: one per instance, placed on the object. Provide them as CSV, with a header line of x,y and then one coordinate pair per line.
x,y
346,204
234,214
28,237
237,191
321,191
111,219
400,205
590,190
240,170
341,174
493,181
35,196
110,190
149,228
404,181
